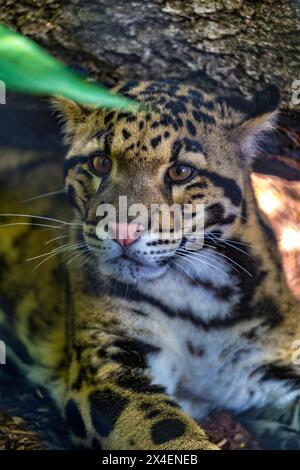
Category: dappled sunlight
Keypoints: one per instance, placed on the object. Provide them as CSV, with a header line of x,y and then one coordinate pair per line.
x,y
280,201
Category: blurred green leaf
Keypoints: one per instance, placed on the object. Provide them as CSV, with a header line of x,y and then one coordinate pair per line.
x,y
26,67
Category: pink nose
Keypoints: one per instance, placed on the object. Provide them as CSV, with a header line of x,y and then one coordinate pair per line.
x,y
124,233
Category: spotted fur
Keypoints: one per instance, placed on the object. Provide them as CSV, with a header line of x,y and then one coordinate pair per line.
x,y
137,347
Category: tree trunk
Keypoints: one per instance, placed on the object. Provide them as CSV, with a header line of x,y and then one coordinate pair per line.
x,y
237,44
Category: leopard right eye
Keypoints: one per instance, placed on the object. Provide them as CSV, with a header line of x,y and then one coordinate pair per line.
x,y
100,165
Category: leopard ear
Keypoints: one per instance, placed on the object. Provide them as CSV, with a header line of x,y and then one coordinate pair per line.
x,y
70,114
261,118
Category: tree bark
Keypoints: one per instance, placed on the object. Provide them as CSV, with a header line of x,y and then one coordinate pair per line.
x,y
237,44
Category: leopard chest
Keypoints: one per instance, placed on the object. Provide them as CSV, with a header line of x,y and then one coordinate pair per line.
x,y
203,360
207,370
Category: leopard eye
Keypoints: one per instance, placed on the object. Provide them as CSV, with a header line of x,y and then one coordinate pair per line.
x,y
100,165
179,173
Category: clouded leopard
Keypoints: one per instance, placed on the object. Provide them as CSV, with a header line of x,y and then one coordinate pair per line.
x,y
138,337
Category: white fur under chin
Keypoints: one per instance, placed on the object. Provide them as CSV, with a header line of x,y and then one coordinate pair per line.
x,y
197,299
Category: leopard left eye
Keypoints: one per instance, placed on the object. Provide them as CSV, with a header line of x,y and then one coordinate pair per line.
x,y
180,173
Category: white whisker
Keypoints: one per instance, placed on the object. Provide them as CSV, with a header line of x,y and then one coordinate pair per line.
x,y
40,217
31,224
178,266
52,193
74,257
55,238
225,242
54,253
57,250
204,259
232,261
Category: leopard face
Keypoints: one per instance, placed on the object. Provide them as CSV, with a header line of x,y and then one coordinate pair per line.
x,y
187,148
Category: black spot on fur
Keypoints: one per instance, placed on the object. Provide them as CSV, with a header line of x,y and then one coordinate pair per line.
x,y
197,196
130,147
209,105
82,171
108,117
126,134
191,128
251,334
152,88
194,351
156,141
202,117
196,102
228,220
128,86
138,383
72,196
269,311
155,125
98,135
230,188
146,406
108,142
122,116
179,122
224,293
152,414
132,351
193,146
171,403
106,408
173,89
74,418
131,118
195,93
282,373
70,163
82,376
176,148
166,430
221,292
176,107
198,184
214,214
166,120
235,102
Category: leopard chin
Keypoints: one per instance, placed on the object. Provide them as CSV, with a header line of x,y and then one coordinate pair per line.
x,y
130,270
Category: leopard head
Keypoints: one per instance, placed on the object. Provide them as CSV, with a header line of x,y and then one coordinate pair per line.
x,y
186,148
